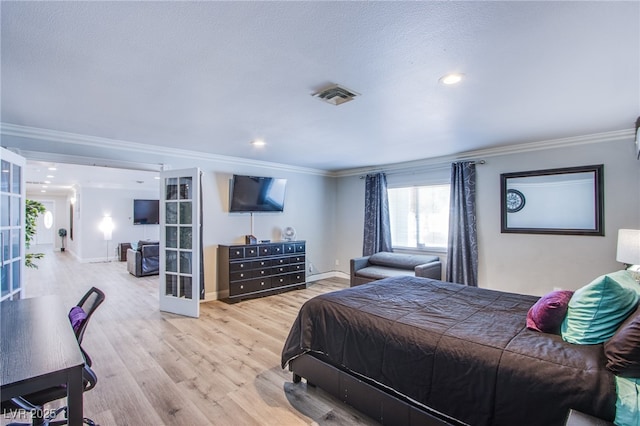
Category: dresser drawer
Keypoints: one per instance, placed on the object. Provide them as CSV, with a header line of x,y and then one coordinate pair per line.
x,y
265,250
239,266
296,267
251,251
249,286
236,252
281,269
264,263
240,276
280,261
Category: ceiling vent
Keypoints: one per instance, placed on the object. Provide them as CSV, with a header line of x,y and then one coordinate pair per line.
x,y
335,94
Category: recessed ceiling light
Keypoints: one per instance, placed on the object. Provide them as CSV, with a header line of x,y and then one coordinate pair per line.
x,y
258,142
50,176
47,181
156,177
53,169
453,78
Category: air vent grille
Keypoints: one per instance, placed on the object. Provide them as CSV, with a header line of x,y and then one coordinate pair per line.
x,y
335,94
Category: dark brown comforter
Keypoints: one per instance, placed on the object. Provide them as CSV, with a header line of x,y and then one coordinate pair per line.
x,y
463,351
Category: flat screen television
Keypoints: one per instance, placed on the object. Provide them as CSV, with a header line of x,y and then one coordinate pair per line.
x,y
146,212
257,194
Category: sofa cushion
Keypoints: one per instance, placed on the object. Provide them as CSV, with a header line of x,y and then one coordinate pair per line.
x,y
150,250
143,243
380,272
400,260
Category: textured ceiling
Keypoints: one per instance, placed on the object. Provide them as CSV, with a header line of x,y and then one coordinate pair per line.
x,y
212,76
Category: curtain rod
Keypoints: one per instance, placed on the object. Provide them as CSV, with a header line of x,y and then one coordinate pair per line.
x,y
413,170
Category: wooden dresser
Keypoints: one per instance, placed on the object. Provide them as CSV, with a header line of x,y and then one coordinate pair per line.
x,y
255,270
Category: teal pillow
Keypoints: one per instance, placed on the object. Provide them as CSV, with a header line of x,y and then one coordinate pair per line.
x,y
596,310
625,279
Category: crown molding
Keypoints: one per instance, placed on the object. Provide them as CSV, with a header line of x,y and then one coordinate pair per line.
x,y
445,161
409,166
135,147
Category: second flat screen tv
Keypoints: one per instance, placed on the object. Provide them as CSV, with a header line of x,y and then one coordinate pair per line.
x,y
146,212
257,194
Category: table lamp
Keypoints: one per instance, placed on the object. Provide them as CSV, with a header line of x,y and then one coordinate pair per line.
x,y
629,250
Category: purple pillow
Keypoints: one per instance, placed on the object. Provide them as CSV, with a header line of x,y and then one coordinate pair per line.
x,y
77,315
547,314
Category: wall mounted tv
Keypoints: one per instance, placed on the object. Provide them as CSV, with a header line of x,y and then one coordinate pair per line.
x,y
257,194
146,212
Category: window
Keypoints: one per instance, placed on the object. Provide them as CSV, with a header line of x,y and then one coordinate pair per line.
x,y
419,216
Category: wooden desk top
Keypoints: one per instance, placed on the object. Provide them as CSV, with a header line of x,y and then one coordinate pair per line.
x,y
36,339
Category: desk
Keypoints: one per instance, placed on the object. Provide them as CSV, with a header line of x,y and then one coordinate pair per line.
x,y
39,350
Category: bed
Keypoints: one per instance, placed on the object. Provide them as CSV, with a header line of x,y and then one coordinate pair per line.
x,y
412,350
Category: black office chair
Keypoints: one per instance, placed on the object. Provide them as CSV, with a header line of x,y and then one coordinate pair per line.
x,y
79,317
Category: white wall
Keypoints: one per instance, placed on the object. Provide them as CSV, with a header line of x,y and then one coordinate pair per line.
x,y
535,264
525,263
92,205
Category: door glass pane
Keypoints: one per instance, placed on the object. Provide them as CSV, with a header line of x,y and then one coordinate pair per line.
x,y
185,287
185,188
5,175
4,211
185,214
171,261
15,243
15,215
6,245
171,213
171,287
171,185
172,236
185,262
185,237
16,275
6,273
16,179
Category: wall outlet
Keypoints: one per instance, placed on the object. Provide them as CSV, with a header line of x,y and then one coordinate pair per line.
x,y
337,262
557,288
310,267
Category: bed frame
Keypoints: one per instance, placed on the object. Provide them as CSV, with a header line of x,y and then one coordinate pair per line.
x,y
372,399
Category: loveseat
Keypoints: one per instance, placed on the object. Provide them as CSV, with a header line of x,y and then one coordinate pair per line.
x,y
386,264
144,259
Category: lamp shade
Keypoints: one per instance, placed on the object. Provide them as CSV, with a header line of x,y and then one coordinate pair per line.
x,y
628,246
106,226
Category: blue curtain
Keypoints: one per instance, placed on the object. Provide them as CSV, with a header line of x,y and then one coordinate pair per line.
x,y
462,257
377,229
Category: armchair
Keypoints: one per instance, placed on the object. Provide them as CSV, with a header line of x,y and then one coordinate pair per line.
x,y
145,259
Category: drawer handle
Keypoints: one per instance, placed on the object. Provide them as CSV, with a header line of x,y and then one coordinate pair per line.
x,y
241,287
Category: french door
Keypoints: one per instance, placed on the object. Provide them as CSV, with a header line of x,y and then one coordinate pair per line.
x,y
180,270
12,211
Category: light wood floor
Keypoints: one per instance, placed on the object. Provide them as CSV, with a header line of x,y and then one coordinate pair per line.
x,y
156,368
